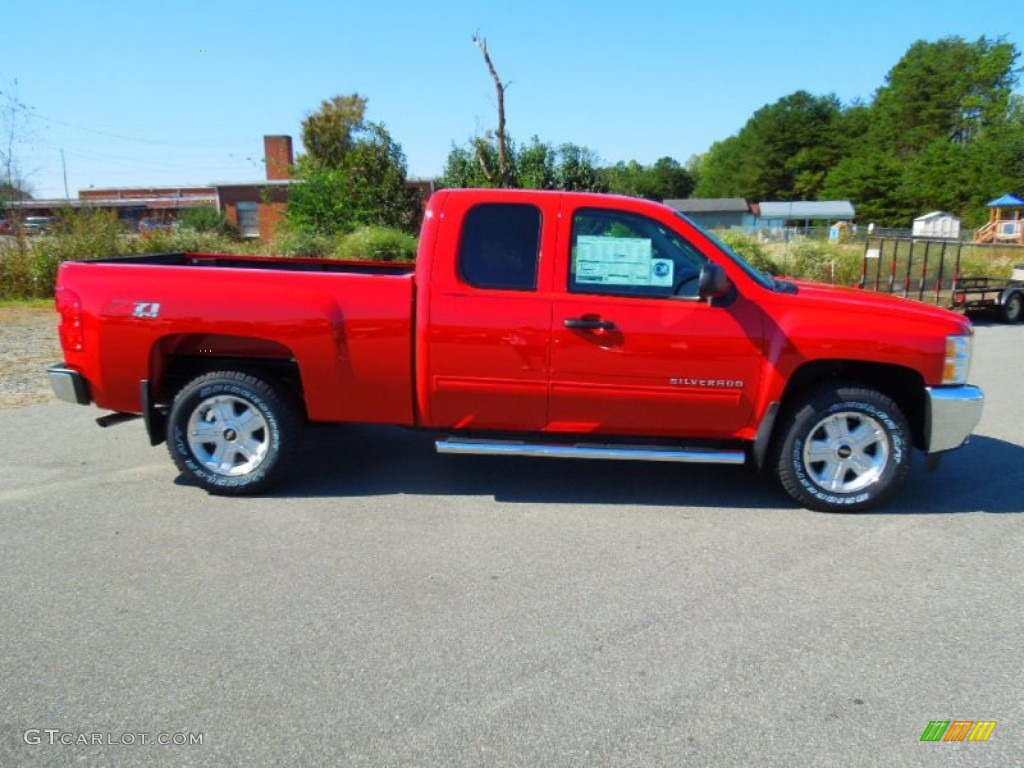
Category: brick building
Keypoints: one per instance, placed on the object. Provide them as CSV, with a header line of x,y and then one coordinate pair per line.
x,y
254,207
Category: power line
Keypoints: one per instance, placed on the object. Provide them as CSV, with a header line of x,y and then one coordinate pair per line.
x,y
122,137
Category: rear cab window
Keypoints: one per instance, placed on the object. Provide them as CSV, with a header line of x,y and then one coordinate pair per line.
x,y
500,246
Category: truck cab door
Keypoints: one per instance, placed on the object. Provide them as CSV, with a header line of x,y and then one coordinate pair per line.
x,y
635,350
488,323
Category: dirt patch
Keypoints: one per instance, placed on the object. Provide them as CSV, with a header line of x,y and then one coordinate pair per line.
x,y
28,344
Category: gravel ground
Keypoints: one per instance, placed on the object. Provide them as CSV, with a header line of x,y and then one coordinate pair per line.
x,y
28,344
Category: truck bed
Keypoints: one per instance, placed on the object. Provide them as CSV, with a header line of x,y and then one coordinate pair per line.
x,y
345,326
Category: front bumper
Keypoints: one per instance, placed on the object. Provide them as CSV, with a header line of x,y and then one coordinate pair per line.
x,y
68,384
953,413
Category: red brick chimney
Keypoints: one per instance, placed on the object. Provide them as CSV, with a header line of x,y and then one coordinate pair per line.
x,y
278,156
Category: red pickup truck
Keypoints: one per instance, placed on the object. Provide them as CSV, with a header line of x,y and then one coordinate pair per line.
x,y
533,323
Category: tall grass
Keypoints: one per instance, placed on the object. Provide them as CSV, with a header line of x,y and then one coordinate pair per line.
x,y
29,264
805,258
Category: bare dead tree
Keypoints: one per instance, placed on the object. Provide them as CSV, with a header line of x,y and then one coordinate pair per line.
x,y
504,173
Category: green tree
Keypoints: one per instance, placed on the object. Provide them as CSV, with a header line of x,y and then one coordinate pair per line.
x,y
467,166
353,174
943,133
724,171
329,133
873,180
950,89
536,165
666,179
576,170
784,151
320,203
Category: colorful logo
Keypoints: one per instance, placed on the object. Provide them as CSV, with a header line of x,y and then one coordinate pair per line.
x,y
958,730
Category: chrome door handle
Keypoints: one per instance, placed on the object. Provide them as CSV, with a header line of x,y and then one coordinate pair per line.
x,y
589,323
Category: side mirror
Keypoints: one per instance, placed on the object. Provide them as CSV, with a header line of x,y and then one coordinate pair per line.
x,y
714,283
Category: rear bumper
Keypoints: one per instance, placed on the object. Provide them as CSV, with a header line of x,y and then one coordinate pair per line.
x,y
953,413
68,384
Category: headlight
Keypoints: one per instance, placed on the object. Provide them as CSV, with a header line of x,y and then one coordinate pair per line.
x,y
958,360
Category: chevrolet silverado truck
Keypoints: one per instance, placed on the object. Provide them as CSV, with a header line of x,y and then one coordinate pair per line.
x,y
532,323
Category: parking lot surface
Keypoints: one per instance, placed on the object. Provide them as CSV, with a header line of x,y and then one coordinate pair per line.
x,y
395,607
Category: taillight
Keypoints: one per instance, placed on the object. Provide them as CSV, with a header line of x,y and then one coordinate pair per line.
x,y
69,306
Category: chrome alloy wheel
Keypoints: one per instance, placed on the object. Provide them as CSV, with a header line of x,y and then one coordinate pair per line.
x,y
228,435
846,452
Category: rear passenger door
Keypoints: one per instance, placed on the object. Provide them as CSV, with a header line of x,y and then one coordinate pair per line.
x,y
489,323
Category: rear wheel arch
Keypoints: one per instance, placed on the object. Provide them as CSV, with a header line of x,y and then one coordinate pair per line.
x,y
177,360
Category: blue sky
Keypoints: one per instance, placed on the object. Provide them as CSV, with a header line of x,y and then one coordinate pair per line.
x,y
182,93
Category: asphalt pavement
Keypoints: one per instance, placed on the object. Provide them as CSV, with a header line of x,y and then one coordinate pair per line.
x,y
393,607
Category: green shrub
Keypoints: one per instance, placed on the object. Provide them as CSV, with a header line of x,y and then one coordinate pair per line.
x,y
751,250
28,266
376,244
824,262
18,273
183,239
206,218
295,242
77,235
84,233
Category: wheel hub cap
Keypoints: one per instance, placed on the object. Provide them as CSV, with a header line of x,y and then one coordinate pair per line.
x,y
228,435
846,452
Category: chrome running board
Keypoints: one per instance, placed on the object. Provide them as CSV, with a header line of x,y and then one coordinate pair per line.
x,y
590,451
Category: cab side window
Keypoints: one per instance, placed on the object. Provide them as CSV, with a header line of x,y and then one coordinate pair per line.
x,y
625,254
500,246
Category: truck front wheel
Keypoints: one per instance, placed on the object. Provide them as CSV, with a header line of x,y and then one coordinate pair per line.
x,y
843,449
231,433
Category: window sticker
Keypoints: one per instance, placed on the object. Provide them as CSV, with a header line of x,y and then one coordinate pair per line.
x,y
620,261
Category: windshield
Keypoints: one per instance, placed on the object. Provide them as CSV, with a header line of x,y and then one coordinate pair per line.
x,y
760,277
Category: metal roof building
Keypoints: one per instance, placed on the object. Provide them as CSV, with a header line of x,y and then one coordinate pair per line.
x,y
806,210
715,212
710,205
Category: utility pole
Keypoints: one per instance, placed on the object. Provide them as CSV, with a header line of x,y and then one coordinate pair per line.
x,y
64,167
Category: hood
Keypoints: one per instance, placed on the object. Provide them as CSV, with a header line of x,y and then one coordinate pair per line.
x,y
856,301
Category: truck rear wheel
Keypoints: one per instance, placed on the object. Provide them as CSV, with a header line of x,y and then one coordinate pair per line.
x,y
843,449
232,433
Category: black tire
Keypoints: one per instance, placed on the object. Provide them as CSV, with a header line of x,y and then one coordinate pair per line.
x,y
843,449
1012,310
252,433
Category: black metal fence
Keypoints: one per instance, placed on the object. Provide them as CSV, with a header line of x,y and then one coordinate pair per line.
x,y
931,269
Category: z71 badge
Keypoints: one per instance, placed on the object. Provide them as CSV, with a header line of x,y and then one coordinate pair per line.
x,y
146,309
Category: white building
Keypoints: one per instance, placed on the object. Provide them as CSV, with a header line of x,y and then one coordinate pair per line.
x,y
937,224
